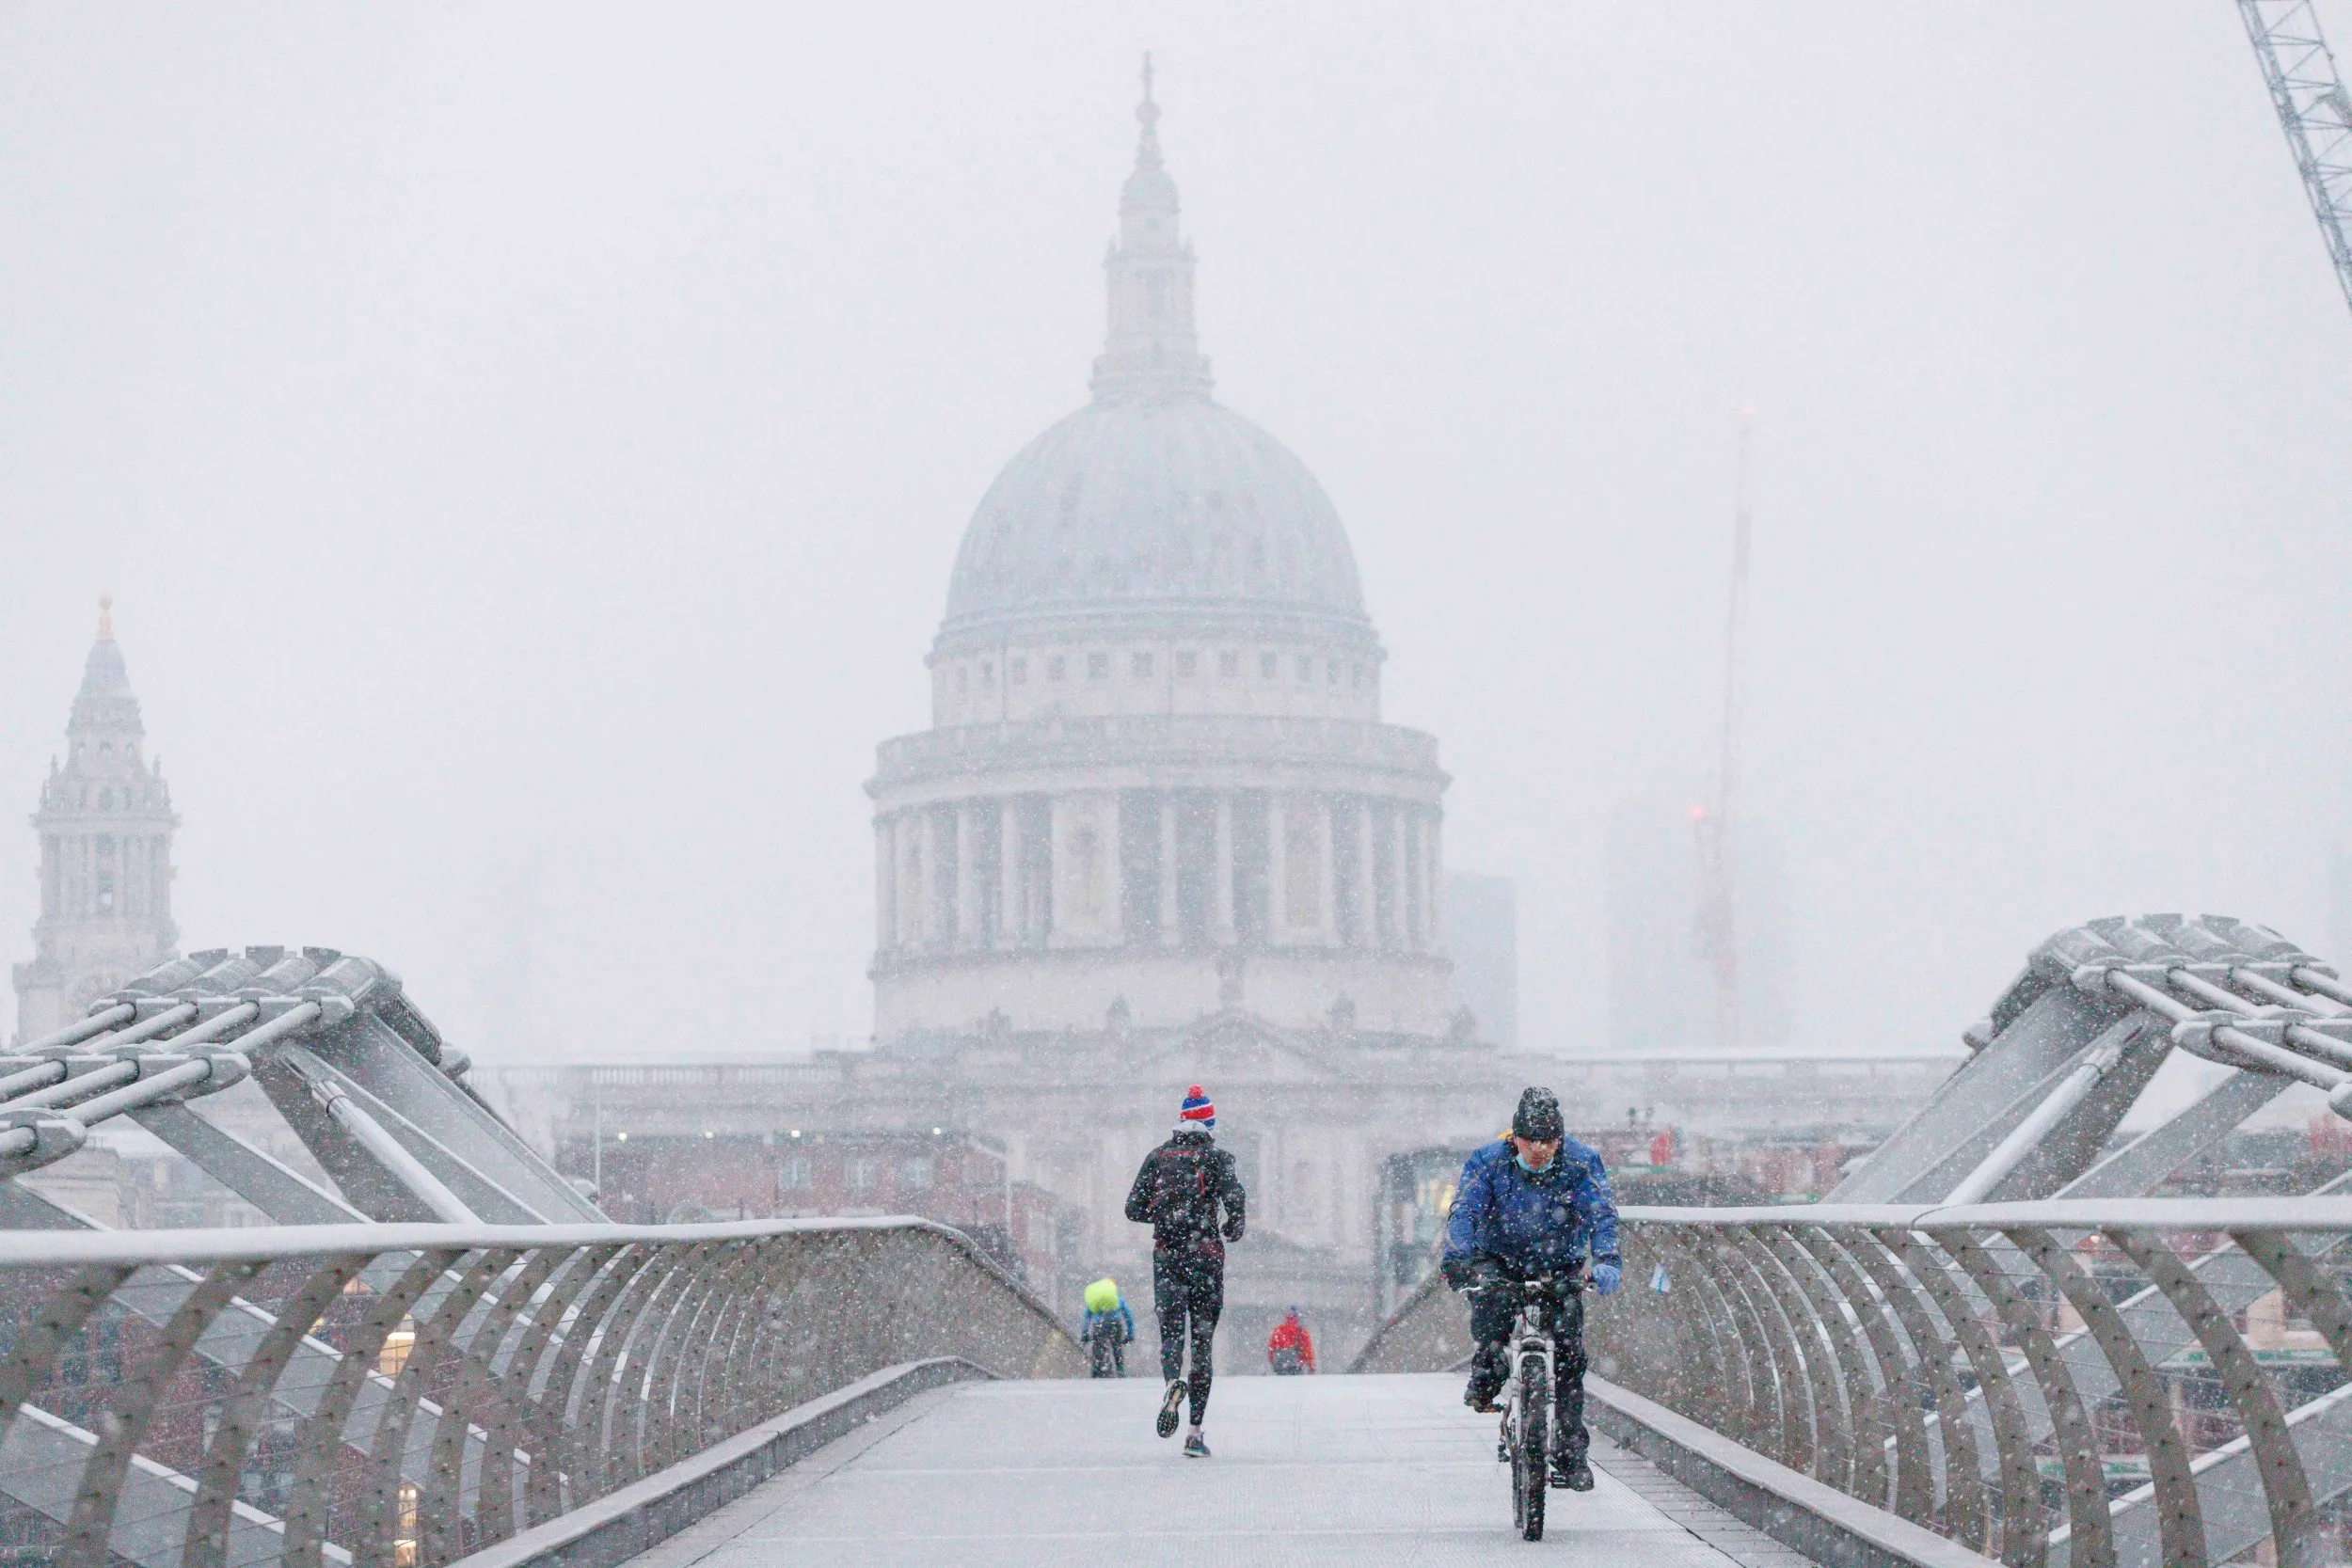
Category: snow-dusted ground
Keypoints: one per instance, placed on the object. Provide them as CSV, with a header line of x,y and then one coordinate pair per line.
x,y
1342,1470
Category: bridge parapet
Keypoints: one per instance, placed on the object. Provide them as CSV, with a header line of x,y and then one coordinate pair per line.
x,y
2049,1382
405,1395
1988,1330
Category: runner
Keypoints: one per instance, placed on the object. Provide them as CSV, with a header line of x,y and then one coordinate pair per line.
x,y
1189,1195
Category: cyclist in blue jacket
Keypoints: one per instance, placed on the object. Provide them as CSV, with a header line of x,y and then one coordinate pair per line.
x,y
1110,1329
1530,1206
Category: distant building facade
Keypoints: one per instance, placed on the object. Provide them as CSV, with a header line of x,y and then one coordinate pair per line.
x,y
106,825
1349,1145
1481,925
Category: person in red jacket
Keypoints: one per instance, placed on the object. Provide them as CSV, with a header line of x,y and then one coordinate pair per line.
x,y
1289,1351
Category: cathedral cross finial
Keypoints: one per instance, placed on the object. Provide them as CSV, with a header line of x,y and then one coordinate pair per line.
x,y
105,617
1147,117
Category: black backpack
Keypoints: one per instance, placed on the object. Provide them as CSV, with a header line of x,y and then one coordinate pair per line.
x,y
1181,1199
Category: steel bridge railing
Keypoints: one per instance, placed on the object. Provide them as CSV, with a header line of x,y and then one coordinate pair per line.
x,y
398,1396
2080,1383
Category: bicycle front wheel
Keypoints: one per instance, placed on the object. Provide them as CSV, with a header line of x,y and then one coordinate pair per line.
x,y
1531,1450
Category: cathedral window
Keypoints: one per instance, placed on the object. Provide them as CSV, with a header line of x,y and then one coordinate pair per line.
x,y
1306,668
1268,665
1187,665
1228,664
963,678
1356,674
106,798
1017,671
1056,666
987,673
1141,664
1332,670
1098,667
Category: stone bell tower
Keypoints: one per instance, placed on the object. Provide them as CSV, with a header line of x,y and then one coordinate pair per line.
x,y
106,825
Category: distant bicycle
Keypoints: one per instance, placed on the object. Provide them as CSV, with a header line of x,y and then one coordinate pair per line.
x,y
1102,1357
1526,1440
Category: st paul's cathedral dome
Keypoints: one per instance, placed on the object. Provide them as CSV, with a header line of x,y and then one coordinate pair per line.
x,y
1153,495
1156,786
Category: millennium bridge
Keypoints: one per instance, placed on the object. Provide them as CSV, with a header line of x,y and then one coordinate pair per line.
x,y
1987,1343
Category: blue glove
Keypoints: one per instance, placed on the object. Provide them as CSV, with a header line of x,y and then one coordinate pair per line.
x,y
1606,1277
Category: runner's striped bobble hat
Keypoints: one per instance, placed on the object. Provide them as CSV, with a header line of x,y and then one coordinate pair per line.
x,y
1197,1115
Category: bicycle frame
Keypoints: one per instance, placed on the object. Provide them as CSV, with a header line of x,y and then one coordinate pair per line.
x,y
1530,1428
1532,1348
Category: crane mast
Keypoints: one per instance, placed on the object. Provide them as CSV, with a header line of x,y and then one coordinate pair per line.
x,y
2313,110
1718,935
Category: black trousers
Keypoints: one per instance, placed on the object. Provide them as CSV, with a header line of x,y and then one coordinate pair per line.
x,y
1492,1318
1188,1296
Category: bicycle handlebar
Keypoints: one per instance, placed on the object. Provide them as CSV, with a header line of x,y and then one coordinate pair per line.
x,y
1548,1284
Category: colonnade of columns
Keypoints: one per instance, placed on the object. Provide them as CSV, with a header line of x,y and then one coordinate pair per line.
x,y
1172,868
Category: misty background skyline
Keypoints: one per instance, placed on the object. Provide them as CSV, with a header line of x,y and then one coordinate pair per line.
x,y
527,451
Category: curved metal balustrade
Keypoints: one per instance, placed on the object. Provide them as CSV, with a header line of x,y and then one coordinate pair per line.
x,y
401,1395
2084,1383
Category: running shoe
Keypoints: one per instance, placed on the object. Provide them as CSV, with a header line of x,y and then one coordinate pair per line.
x,y
1168,1407
1194,1446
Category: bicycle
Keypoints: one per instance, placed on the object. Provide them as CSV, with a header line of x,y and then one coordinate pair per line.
x,y
1526,1438
1105,1352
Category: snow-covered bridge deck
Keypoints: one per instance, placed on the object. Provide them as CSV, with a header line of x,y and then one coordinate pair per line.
x,y
1342,1470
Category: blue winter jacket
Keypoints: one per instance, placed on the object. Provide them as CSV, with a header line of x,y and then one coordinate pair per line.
x,y
1532,1224
1120,1324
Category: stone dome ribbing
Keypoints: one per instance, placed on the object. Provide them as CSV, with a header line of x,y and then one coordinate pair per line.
x,y
1158,503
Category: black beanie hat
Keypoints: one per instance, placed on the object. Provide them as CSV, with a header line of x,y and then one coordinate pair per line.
x,y
1538,1116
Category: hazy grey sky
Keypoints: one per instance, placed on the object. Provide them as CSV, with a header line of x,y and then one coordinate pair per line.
x,y
528,445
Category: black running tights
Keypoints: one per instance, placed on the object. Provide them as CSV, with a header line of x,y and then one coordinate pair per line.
x,y
1187,1297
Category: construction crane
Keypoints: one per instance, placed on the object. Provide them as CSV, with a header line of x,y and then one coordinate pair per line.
x,y
2313,110
1718,935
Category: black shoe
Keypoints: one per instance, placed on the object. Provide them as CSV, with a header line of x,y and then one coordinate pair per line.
x,y
1168,1407
1574,1475
1194,1446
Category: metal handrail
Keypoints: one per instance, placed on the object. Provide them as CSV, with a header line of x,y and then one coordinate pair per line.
x,y
1928,1360
393,1394
2323,1213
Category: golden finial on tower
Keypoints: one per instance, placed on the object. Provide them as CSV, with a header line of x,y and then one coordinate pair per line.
x,y
105,617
